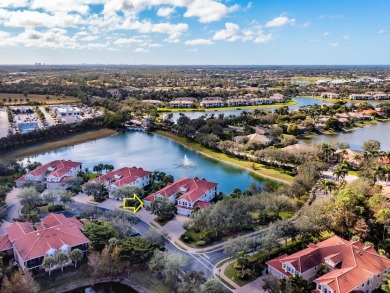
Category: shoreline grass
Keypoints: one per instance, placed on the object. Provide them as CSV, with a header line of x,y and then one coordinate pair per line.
x,y
257,169
219,109
55,144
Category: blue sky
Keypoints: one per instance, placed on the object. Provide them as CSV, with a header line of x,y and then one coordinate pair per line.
x,y
195,32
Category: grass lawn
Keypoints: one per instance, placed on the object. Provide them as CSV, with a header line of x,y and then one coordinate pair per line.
x,y
226,283
54,144
59,280
353,172
255,168
285,215
71,274
232,273
7,179
37,98
148,281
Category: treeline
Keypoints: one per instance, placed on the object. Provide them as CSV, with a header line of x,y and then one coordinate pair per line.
x,y
56,131
52,89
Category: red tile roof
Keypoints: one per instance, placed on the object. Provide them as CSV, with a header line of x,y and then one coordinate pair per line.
x,y
54,231
123,176
37,243
5,243
18,230
201,204
356,263
192,188
60,167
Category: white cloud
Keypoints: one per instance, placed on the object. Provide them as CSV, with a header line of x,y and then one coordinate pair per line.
x,y
382,31
325,34
127,41
79,6
228,34
208,10
345,37
141,50
13,3
192,50
262,38
165,11
306,24
31,19
334,44
280,21
173,30
155,45
198,42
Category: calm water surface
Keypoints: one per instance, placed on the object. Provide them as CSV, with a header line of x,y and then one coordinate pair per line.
x,y
300,103
357,137
153,153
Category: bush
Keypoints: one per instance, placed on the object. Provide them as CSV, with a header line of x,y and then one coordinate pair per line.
x,y
185,238
42,204
55,208
244,276
78,217
201,243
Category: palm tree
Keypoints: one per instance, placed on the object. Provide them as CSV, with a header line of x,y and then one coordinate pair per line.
x,y
76,255
340,171
328,186
378,171
62,259
241,260
33,217
49,263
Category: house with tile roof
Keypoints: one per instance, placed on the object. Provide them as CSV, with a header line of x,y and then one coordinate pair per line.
x,y
54,174
351,266
125,176
53,235
187,193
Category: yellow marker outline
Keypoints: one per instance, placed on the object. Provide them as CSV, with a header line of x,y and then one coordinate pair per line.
x,y
135,209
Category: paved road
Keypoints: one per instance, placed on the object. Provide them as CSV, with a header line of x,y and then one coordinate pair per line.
x,y
196,262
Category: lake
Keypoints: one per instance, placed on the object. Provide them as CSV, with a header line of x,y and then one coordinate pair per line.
x,y
105,288
153,153
196,114
357,137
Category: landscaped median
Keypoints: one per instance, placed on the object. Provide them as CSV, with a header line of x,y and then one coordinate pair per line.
x,y
255,168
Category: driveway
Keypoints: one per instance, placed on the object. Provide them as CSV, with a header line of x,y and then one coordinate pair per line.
x,y
175,227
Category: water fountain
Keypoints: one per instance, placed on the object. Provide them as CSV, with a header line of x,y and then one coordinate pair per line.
x,y
187,163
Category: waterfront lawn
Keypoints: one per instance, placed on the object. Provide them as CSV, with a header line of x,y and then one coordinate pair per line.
x,y
71,275
55,144
60,280
256,168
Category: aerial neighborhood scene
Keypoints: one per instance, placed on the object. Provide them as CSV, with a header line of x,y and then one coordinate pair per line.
x,y
194,146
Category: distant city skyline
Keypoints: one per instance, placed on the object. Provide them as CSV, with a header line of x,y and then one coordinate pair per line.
x,y
195,32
